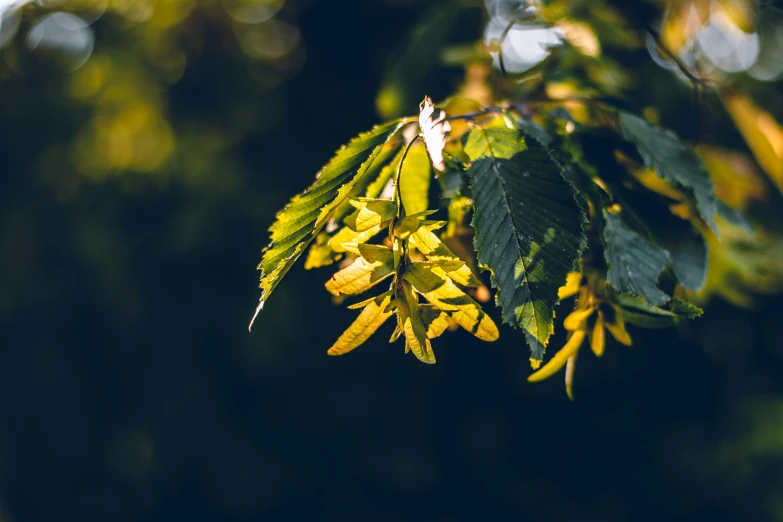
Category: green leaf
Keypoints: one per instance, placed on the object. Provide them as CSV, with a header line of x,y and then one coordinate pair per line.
x,y
535,131
663,152
686,309
640,305
415,180
304,216
528,225
537,350
635,310
687,255
686,247
634,262
734,217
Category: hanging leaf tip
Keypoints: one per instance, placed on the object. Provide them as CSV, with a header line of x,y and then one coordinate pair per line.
x,y
258,310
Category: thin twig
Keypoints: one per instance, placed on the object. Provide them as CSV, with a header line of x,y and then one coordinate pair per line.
x,y
524,17
473,115
695,80
500,46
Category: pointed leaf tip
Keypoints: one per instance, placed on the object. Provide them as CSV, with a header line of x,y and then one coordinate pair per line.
x,y
258,310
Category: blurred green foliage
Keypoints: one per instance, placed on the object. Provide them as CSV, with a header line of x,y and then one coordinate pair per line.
x,y
137,182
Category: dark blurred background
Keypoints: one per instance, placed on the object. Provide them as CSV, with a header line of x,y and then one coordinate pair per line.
x,y
142,163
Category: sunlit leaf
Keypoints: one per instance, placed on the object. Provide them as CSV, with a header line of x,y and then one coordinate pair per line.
x,y
616,326
598,337
370,213
375,264
406,226
436,320
369,218
438,289
576,319
573,281
426,242
304,216
415,180
528,225
559,360
569,375
320,253
370,319
416,339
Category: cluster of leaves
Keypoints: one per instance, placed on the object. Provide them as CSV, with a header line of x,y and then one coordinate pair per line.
x,y
558,193
547,225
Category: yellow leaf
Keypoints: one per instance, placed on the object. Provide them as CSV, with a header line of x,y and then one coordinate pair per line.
x,y
598,337
415,180
569,375
370,213
440,290
346,235
320,253
560,358
436,321
370,217
573,280
434,250
576,320
375,264
413,327
362,304
618,331
409,224
396,334
762,133
369,320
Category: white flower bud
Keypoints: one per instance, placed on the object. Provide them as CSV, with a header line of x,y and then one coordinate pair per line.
x,y
435,132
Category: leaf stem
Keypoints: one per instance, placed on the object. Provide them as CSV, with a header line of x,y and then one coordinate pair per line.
x,y
525,17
